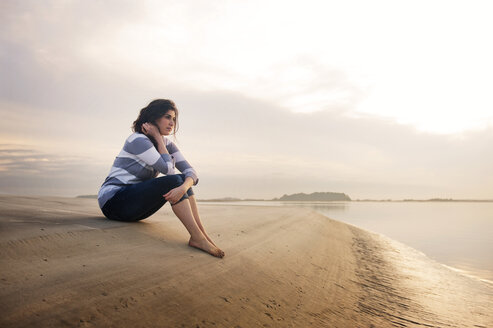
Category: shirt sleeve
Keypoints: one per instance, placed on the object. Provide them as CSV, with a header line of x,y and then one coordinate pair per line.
x,y
180,162
143,148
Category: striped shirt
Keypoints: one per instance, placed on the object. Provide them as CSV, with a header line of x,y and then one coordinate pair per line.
x,y
139,161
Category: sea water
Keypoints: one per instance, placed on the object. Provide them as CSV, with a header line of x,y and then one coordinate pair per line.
x,y
457,234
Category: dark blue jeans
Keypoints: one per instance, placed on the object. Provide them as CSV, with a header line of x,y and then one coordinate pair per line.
x,y
139,201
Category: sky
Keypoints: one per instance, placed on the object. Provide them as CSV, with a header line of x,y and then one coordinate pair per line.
x,y
376,99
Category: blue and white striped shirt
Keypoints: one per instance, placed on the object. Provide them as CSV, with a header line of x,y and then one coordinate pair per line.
x,y
139,161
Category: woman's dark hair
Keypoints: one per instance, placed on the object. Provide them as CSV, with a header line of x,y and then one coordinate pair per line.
x,y
152,112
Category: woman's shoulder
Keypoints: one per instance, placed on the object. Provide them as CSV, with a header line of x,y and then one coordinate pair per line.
x,y
137,143
170,145
168,142
137,135
141,136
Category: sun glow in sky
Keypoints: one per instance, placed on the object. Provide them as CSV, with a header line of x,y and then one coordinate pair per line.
x,y
424,63
338,81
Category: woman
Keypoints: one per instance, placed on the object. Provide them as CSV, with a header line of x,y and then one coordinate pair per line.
x,y
132,191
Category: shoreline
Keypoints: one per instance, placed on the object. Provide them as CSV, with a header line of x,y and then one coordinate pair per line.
x,y
284,267
474,270
468,274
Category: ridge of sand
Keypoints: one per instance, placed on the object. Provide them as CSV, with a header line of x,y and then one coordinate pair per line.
x,y
63,264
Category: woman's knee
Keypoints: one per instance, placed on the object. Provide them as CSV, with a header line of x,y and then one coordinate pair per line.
x,y
171,181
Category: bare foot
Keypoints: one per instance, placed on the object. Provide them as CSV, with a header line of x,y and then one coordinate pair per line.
x,y
209,239
206,246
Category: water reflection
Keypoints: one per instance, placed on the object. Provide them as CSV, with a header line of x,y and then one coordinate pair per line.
x,y
458,234
320,206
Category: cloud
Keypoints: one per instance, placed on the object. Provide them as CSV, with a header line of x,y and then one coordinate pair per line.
x,y
260,143
22,161
24,170
50,45
247,147
73,77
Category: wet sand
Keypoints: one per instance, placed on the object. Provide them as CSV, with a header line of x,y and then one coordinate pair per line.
x,y
63,264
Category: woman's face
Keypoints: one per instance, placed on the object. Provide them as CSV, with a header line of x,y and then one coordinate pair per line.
x,y
166,123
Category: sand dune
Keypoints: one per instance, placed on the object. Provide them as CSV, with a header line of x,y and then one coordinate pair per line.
x,y
63,264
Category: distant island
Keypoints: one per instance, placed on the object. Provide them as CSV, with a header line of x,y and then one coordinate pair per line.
x,y
315,197
299,197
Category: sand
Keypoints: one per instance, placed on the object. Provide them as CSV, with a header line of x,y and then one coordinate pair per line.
x,y
64,264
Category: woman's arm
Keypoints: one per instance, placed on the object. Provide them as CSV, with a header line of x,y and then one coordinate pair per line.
x,y
184,167
181,163
150,130
177,193
141,147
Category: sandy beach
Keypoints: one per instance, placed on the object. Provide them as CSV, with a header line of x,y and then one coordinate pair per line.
x,y
64,265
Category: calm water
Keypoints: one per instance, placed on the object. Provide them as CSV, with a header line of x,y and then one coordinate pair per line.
x,y
457,234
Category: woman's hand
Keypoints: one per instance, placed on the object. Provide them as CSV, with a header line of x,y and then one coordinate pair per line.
x,y
174,195
150,129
